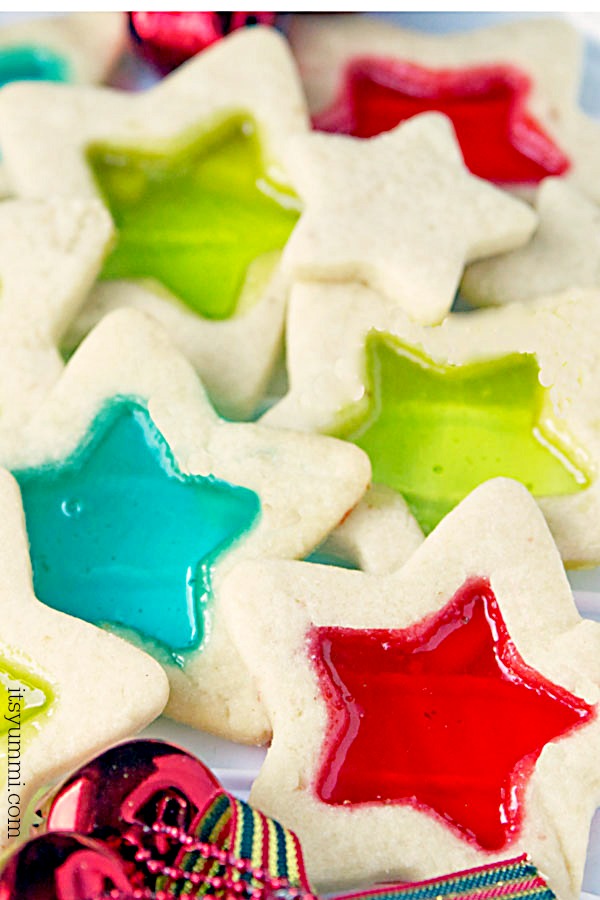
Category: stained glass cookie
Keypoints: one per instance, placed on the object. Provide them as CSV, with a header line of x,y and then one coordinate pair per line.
x,y
511,91
192,173
138,498
438,718
500,392
67,689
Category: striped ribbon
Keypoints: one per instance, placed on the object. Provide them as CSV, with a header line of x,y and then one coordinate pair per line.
x,y
269,848
271,851
517,879
246,854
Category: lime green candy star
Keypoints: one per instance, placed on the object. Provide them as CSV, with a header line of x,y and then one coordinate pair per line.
x,y
200,219
23,697
434,432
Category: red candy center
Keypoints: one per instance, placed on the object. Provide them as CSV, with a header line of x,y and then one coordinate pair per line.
x,y
499,140
444,716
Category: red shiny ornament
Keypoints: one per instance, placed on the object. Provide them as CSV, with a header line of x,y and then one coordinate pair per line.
x,y
121,794
453,715
146,813
64,867
487,105
167,39
149,802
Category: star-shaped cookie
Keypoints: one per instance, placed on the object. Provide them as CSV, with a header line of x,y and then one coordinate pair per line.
x,y
563,253
434,719
192,172
507,391
138,498
67,689
399,213
79,48
365,75
50,254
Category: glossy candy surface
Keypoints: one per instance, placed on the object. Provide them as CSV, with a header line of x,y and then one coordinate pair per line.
x,y
449,710
196,219
120,535
31,63
500,140
23,697
435,432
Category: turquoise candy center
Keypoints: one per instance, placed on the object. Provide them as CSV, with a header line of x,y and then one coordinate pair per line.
x,y
120,536
25,63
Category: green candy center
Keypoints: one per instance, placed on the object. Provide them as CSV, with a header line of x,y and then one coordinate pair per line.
x,y
434,432
204,220
23,697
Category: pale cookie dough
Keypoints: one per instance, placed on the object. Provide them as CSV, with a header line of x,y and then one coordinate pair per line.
x,y
497,534
235,381
97,689
86,44
50,254
327,329
306,485
399,213
48,129
379,535
564,253
548,51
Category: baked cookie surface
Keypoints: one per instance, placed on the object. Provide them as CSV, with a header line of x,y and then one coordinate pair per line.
x,y
394,697
498,392
66,688
192,173
563,253
421,215
513,86
50,254
138,497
